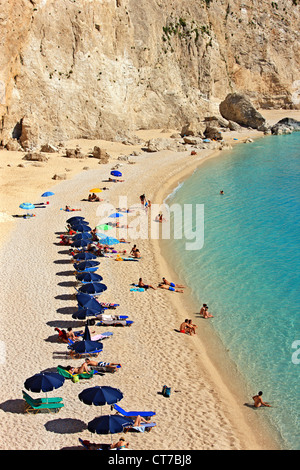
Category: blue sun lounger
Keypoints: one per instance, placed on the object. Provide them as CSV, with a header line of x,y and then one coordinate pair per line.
x,y
144,414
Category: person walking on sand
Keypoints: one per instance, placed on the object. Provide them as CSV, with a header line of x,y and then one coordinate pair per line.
x,y
258,402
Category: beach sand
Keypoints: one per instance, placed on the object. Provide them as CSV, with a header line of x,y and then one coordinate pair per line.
x,y
205,411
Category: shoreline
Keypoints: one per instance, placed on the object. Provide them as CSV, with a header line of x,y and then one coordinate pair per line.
x,y
150,351
256,432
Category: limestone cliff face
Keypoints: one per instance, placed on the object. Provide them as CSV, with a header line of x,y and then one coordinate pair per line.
x,y
95,68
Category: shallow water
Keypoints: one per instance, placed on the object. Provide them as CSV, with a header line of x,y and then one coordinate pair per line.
x,y
248,269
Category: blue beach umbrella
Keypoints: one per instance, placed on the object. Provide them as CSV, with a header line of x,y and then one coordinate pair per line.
x,y
44,382
85,301
27,206
87,334
47,194
109,241
93,288
81,227
82,236
86,265
116,173
109,424
100,396
75,219
87,346
84,256
84,313
88,277
101,235
81,243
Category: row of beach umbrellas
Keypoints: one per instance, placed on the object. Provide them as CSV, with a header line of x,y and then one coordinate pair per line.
x,y
48,381
86,267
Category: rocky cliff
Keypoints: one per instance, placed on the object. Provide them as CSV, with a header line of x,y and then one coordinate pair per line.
x,y
96,68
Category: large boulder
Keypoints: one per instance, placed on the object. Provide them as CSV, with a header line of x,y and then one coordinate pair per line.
x,y
238,108
285,126
101,154
35,157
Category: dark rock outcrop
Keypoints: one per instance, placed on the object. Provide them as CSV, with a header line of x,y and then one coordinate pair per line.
x,y
238,108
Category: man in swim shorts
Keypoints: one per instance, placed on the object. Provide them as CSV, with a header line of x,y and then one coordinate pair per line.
x,y
172,284
173,289
184,327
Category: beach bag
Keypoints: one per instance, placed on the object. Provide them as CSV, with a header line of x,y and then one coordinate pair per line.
x,y
166,391
75,379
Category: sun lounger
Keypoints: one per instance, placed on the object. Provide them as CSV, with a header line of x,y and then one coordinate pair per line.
x,y
113,320
105,367
39,405
65,373
141,428
144,414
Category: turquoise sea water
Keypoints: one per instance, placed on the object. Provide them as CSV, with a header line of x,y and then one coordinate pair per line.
x,y
248,269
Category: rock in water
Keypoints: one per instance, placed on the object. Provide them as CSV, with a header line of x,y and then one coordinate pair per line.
x,y
238,108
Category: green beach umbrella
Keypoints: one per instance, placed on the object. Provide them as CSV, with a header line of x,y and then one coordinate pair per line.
x,y
104,227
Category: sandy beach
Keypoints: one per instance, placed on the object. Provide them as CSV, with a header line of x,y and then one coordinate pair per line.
x,y
205,410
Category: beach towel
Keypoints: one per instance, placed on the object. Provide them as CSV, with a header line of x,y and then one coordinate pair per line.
x,y
137,289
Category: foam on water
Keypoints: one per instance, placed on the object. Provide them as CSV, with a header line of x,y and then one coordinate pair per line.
x,y
248,269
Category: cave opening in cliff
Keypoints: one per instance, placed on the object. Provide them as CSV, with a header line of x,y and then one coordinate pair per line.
x,y
17,130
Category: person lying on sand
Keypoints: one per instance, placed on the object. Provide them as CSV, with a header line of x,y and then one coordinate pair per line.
x,y
139,419
145,286
172,284
114,180
78,370
258,402
68,209
173,289
110,365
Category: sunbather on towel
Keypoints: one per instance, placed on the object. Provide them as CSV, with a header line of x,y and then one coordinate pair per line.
x,y
68,209
139,420
78,370
109,365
